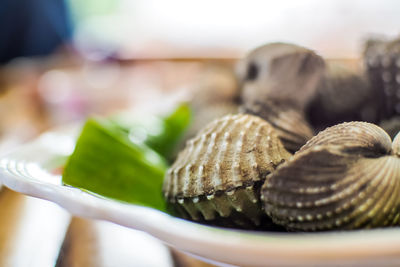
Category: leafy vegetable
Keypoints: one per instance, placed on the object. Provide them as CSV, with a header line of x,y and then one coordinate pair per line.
x,y
107,163
115,157
159,133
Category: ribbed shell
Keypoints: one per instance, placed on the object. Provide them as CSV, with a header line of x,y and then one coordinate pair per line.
x,y
346,177
221,170
289,123
354,137
382,60
207,114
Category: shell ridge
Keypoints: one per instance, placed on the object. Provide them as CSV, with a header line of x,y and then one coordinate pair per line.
x,y
210,158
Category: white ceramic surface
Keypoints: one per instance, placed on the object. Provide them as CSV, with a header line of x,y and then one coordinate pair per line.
x,y
30,170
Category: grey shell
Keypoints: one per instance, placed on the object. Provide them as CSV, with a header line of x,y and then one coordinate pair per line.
x,y
346,177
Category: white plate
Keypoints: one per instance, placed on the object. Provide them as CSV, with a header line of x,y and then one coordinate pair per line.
x,y
30,170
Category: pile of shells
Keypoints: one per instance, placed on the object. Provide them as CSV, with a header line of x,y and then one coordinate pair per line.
x,y
264,169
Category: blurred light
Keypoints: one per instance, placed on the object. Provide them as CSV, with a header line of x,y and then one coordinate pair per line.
x,y
138,135
224,28
101,76
94,40
55,86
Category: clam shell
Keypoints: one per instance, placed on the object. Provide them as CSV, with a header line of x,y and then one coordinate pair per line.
x,y
284,72
289,123
219,173
347,177
382,60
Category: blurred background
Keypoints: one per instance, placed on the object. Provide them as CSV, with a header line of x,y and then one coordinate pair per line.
x,y
62,60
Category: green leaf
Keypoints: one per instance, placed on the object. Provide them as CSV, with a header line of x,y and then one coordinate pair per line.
x,y
107,163
159,133
173,127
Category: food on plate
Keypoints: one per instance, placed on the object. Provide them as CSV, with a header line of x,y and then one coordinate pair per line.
x,y
343,95
110,160
290,124
278,82
346,177
262,168
282,72
217,177
107,163
382,61
160,133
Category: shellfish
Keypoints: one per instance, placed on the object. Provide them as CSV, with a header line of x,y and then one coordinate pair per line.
x,y
382,60
346,177
289,123
282,72
278,82
218,176
343,95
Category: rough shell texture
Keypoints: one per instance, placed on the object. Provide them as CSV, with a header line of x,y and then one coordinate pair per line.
x,y
382,60
290,124
209,113
342,95
220,172
203,116
282,72
346,177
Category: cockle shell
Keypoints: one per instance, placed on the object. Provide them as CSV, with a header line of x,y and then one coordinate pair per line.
x,y
382,60
203,116
282,72
346,177
343,95
217,177
209,113
278,81
289,123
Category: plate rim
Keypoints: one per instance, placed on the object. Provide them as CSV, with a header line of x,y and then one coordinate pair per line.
x,y
220,245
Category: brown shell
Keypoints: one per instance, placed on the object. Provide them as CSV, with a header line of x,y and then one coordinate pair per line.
x,y
220,172
289,123
280,71
346,177
343,94
382,60
207,114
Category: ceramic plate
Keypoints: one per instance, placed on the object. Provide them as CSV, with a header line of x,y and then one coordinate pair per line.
x,y
33,169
